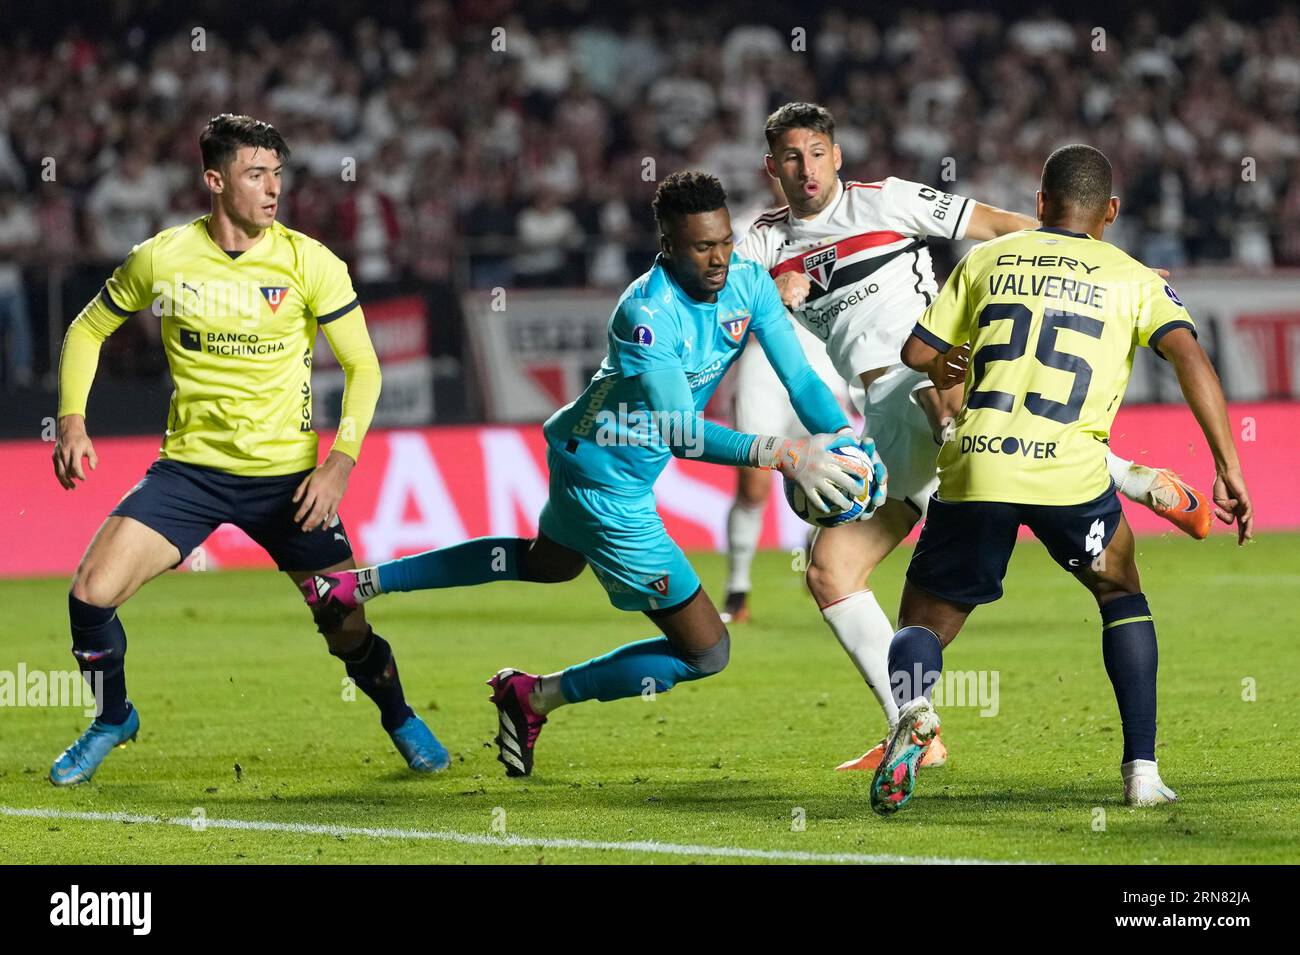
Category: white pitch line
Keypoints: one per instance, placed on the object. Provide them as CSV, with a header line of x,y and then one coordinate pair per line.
x,y
476,839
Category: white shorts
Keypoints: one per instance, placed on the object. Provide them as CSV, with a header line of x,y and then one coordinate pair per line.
x,y
903,436
762,405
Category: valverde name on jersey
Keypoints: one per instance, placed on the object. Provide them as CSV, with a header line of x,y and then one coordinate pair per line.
x,y
1053,319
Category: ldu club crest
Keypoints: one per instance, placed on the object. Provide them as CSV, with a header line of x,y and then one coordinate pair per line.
x,y
274,295
736,323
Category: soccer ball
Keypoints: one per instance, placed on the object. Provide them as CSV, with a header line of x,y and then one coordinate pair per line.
x,y
809,513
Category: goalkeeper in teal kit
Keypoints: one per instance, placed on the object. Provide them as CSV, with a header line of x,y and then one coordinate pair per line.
x,y
675,332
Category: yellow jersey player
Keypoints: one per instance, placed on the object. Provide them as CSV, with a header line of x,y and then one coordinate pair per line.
x,y
240,298
1052,318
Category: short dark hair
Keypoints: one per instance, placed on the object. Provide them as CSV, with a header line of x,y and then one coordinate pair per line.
x,y
1077,175
799,116
224,134
686,193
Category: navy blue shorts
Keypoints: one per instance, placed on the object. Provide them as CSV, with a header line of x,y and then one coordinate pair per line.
x,y
965,546
185,503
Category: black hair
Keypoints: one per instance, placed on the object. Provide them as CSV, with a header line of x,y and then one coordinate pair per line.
x,y
686,193
1079,176
799,116
224,134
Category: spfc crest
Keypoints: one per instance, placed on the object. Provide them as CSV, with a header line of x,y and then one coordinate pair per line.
x,y
736,324
274,295
820,265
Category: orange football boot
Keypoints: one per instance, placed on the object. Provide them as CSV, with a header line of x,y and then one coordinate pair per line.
x,y
936,754
736,608
1180,504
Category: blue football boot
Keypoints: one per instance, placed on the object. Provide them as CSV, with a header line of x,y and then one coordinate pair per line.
x,y
78,762
419,747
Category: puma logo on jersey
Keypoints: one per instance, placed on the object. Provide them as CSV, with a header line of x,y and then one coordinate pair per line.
x,y
649,312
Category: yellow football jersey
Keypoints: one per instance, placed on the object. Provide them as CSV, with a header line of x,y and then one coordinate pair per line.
x,y
1053,319
238,330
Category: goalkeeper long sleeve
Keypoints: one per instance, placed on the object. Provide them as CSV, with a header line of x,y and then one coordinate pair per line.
x,y
684,429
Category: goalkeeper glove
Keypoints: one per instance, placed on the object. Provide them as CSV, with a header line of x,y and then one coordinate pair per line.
x,y
812,464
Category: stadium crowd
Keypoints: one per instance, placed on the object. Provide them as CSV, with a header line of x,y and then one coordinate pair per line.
x,y
482,146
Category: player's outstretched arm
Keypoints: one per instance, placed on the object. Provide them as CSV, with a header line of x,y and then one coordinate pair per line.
x,y
1200,386
989,222
320,493
824,476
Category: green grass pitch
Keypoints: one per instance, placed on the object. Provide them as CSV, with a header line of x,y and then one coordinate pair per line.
x,y
228,672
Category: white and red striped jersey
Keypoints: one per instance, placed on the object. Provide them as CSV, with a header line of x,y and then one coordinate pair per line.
x,y
867,261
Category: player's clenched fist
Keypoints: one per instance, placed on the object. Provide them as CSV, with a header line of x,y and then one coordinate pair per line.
x,y
794,288
810,462
70,446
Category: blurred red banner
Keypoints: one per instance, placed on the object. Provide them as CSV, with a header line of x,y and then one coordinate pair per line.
x,y
418,489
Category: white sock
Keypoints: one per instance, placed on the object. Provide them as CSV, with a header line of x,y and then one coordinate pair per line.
x,y
367,583
1139,767
1133,480
744,525
546,695
865,633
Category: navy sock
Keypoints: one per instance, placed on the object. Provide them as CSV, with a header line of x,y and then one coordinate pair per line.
x,y
1128,647
99,645
915,663
478,561
374,670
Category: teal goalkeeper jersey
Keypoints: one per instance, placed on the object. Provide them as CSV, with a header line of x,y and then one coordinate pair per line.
x,y
609,435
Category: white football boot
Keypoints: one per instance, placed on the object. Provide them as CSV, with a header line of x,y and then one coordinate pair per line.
x,y
1143,786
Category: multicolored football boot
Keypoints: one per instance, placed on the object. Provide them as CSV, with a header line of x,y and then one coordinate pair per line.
x,y
936,754
891,787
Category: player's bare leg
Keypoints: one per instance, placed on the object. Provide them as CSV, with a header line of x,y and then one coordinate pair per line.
x,y
1131,655
744,525
839,571
369,662
122,557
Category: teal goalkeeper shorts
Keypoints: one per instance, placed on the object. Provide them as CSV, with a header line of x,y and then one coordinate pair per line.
x,y
623,539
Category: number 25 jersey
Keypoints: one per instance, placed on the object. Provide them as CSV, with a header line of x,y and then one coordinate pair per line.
x,y
1053,319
